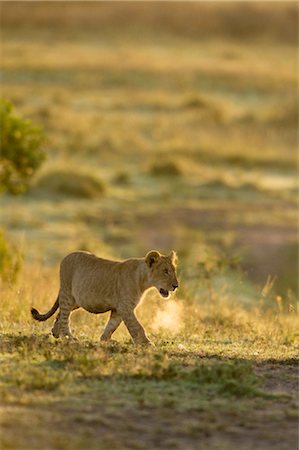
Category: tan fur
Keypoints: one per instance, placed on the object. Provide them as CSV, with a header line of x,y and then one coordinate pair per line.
x,y
99,285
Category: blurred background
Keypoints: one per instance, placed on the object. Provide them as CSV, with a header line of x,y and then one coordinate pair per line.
x,y
167,126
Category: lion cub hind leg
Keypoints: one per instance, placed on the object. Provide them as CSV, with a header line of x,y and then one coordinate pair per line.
x,y
56,327
61,325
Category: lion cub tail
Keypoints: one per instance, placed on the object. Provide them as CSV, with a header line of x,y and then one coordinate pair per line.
x,y
41,317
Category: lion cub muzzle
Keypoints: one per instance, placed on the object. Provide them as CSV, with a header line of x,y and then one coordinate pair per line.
x,y
165,292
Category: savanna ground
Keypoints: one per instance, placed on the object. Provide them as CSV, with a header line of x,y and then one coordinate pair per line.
x,y
167,128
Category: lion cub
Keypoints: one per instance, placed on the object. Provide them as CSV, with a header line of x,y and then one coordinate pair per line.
x,y
100,285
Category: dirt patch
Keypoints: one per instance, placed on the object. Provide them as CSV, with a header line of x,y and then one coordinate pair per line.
x,y
280,379
148,428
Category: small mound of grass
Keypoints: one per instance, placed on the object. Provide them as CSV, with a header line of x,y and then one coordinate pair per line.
x,y
166,169
122,178
71,183
207,108
39,377
223,185
196,102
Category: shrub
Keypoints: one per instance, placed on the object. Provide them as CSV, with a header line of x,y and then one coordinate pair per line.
x,y
21,150
10,260
71,183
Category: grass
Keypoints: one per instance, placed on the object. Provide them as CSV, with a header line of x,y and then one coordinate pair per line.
x,y
166,136
216,364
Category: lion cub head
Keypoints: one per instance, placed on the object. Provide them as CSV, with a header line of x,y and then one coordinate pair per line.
x,y
162,270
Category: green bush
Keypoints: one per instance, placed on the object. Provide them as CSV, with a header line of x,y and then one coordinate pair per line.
x,y
10,260
21,152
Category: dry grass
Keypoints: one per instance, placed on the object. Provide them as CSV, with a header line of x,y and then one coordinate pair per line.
x,y
274,20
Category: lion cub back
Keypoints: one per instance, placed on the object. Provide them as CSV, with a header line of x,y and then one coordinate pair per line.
x,y
90,279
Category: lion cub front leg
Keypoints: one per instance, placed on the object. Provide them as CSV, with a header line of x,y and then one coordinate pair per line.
x,y
113,322
135,328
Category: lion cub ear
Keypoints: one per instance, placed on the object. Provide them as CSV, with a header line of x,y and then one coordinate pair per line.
x,y
152,257
173,257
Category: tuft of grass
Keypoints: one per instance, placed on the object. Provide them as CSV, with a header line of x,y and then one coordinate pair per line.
x,y
166,169
206,108
122,178
71,184
39,377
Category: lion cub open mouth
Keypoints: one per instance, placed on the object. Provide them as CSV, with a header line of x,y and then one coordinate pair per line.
x,y
164,293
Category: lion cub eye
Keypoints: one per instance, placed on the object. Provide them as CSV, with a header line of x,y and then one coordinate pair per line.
x,y
166,271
